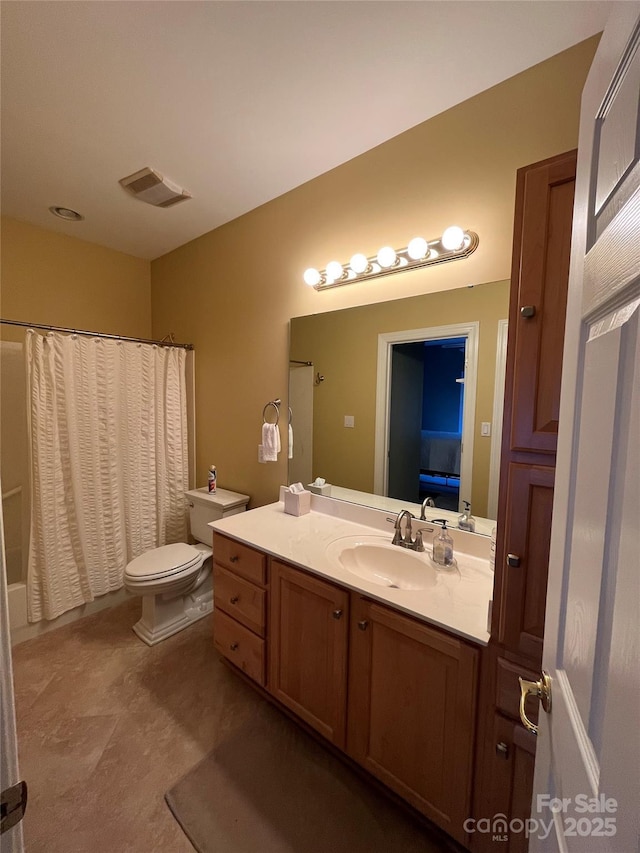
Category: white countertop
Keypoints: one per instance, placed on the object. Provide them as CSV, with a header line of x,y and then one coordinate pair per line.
x,y
458,602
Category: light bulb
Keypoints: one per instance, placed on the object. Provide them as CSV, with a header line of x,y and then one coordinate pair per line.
x,y
418,248
386,257
358,263
312,277
453,238
334,270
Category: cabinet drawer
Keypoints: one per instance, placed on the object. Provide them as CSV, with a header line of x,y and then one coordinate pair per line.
x,y
242,600
239,645
508,689
241,559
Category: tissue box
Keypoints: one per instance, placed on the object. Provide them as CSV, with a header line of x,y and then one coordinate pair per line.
x,y
320,490
297,503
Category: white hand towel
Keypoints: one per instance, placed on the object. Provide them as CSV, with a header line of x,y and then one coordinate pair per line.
x,y
270,442
290,442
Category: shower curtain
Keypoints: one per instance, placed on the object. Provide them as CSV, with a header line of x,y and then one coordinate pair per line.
x,y
109,463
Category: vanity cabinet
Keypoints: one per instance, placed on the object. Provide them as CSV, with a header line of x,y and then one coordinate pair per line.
x,y
240,606
412,710
398,696
309,624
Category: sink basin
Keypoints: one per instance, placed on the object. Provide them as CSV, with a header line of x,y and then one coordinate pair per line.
x,y
375,559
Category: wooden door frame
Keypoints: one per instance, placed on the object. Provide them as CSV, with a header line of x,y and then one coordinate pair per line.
x,y
470,331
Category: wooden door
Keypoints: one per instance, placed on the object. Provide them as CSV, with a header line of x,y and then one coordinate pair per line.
x,y
412,710
589,748
308,649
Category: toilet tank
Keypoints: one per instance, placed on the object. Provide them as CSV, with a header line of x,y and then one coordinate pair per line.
x,y
205,507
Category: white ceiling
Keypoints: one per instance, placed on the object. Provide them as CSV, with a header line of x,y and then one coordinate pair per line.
x,y
238,102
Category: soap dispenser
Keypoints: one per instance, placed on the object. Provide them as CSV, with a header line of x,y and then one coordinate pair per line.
x,y
466,521
443,547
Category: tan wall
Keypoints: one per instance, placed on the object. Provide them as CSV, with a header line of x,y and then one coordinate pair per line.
x,y
233,290
343,346
58,280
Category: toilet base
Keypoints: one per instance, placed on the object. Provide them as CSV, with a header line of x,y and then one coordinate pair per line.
x,y
161,618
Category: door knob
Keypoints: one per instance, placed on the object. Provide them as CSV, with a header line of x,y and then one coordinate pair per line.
x,y
528,311
234,559
337,614
234,647
513,560
234,599
542,690
363,625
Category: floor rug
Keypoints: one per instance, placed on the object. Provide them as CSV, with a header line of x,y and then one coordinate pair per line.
x,y
268,787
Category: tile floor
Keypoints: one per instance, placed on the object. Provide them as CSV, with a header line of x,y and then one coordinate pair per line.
x,y
106,725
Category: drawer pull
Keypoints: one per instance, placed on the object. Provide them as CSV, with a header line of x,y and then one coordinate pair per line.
x,y
363,625
234,559
502,750
513,560
337,614
234,647
234,599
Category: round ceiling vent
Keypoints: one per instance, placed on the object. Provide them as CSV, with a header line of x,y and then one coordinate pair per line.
x,y
66,213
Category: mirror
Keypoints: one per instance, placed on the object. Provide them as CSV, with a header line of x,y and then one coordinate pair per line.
x,y
346,389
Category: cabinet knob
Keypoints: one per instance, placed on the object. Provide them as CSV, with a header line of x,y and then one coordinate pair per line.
x,y
513,560
337,614
234,599
528,311
502,750
363,625
234,559
233,647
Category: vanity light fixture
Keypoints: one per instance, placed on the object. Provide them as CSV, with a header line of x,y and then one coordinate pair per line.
x,y
454,244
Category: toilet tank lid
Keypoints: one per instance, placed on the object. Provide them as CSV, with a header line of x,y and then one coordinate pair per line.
x,y
222,498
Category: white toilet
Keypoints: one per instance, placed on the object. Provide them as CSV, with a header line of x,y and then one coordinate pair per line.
x,y
175,581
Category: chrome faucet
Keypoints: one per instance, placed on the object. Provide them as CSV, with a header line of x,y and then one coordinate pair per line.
x,y
406,541
425,503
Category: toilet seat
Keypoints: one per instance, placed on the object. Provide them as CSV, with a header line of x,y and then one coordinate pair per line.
x,y
164,562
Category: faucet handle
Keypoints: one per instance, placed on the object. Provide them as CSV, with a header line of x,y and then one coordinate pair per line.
x,y
419,545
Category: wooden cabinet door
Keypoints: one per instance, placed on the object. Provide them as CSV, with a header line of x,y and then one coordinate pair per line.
x,y
542,243
412,711
308,649
509,759
525,558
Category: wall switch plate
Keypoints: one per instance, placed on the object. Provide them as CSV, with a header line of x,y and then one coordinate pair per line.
x,y
349,421
485,429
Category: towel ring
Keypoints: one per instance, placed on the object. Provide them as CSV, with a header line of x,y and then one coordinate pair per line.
x,y
264,412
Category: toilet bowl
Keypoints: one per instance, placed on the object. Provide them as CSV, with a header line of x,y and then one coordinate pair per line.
x,y
175,581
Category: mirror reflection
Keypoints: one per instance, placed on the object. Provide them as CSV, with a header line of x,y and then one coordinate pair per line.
x,y
399,404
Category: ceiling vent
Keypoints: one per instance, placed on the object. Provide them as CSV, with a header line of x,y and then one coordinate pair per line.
x,y
149,186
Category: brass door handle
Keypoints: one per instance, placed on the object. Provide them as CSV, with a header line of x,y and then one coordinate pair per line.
x,y
542,690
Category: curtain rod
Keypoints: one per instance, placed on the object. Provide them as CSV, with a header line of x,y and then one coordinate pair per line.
x,y
161,343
